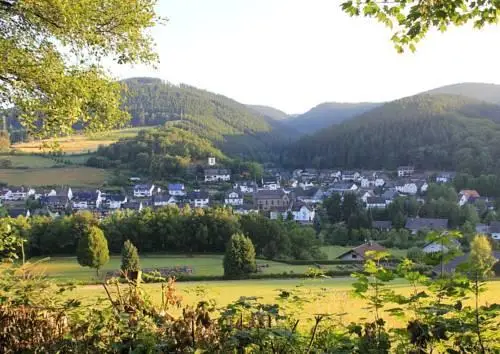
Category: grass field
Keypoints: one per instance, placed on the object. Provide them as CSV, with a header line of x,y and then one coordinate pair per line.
x,y
322,296
79,143
74,176
67,268
29,161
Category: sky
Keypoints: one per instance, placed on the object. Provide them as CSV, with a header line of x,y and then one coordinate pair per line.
x,y
296,54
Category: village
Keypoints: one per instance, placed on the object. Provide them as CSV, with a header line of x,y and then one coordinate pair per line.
x,y
294,195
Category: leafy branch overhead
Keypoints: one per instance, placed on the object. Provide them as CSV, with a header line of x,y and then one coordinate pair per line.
x,y
411,20
51,55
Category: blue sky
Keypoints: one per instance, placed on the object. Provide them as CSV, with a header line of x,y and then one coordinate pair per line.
x,y
295,54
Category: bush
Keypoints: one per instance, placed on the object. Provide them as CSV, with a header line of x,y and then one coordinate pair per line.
x,y
416,255
239,259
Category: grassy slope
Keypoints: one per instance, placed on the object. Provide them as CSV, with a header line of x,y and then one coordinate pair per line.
x,y
74,176
80,143
29,161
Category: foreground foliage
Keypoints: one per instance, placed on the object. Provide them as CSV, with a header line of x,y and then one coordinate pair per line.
x,y
434,317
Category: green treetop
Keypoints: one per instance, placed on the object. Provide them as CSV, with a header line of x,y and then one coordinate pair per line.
x,y
93,249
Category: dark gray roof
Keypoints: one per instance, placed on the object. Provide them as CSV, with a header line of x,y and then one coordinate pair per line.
x,y
198,195
215,171
14,213
383,224
426,223
452,265
269,194
495,227
375,200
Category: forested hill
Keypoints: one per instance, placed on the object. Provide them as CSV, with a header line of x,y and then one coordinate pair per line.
x,y
480,91
270,112
429,131
231,126
326,114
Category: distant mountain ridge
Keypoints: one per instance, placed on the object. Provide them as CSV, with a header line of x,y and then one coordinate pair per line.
x,y
479,91
270,112
430,131
327,114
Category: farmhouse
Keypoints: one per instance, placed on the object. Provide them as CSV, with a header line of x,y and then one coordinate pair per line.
x,y
217,175
359,253
55,202
114,201
271,183
417,224
86,200
350,176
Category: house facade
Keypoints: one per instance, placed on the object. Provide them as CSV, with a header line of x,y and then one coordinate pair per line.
x,y
270,199
143,190
233,198
375,203
217,175
405,171
360,253
199,199
176,189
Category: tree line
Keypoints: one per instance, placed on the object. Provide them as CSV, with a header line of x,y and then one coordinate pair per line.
x,y
171,229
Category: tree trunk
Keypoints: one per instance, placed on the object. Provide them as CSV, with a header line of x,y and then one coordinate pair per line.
x,y
97,272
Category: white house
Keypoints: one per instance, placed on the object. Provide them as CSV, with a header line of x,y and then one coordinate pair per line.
x,y
467,195
199,199
245,187
495,230
445,177
164,200
176,189
143,190
115,201
343,187
233,198
211,161
367,182
405,171
217,175
85,200
303,214
407,188
271,184
18,194
350,176
435,247
306,185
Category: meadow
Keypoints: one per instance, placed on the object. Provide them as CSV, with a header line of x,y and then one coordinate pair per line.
x,y
77,144
77,176
29,161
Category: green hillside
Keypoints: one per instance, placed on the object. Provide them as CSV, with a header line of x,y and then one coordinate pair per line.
x,y
229,125
479,91
429,131
270,112
326,114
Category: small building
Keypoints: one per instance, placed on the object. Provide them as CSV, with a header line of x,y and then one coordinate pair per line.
x,y
86,200
199,199
375,203
211,161
343,187
271,183
245,187
405,171
445,177
467,196
63,192
217,175
494,230
133,206
17,212
114,201
164,200
55,202
382,225
406,187
233,198
417,224
350,176
436,247
303,213
176,189
143,190
359,253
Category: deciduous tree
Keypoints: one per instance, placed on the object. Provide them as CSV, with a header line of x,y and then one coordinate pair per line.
x,y
239,259
93,249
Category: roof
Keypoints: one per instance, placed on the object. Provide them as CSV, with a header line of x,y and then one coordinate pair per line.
x,y
375,200
84,196
143,186
362,249
382,224
452,265
14,213
54,199
406,168
426,223
341,186
132,205
298,206
175,187
390,194
198,195
269,194
161,198
470,193
115,198
495,227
